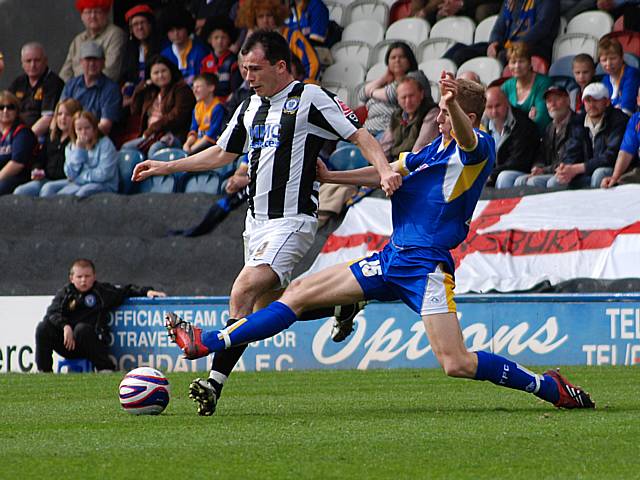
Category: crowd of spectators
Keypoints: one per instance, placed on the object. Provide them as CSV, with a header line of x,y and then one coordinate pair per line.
x,y
173,80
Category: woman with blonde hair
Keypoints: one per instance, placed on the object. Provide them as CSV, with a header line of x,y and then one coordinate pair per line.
x,y
91,162
525,90
17,144
47,174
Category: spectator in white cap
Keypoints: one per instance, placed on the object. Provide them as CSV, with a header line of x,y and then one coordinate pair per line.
x,y
98,28
593,143
96,92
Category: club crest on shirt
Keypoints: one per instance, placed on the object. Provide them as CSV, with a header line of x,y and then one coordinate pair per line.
x,y
291,105
90,300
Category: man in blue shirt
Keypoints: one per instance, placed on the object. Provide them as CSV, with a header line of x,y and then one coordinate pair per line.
x,y
431,212
93,89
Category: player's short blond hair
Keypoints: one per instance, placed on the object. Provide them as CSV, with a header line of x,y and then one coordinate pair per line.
x,y
471,97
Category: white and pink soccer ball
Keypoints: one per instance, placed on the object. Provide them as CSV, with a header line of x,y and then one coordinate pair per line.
x,y
144,391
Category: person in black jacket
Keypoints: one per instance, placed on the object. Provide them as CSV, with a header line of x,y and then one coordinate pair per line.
x,y
594,141
75,325
516,136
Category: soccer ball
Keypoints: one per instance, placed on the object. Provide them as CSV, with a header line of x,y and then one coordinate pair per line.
x,y
144,391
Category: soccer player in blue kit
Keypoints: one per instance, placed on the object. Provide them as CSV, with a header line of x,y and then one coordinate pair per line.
x,y
431,213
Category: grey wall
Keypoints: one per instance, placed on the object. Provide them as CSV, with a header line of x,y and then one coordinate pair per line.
x,y
53,23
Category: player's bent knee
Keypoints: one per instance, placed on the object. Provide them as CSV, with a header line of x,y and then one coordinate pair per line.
x,y
459,366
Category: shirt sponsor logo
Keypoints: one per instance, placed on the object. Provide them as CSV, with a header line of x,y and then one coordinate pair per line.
x,y
267,135
348,113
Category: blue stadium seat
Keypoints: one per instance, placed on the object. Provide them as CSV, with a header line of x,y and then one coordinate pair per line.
x,y
227,170
75,365
127,160
348,157
205,183
567,83
562,67
168,154
164,184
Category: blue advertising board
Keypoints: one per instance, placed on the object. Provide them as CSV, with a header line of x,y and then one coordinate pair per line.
x,y
531,329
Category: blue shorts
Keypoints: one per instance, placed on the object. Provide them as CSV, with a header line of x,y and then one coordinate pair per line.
x,y
407,275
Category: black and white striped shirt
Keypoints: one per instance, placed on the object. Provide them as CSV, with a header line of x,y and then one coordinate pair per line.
x,y
283,135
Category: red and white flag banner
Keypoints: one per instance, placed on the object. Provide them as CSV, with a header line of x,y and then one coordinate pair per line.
x,y
516,243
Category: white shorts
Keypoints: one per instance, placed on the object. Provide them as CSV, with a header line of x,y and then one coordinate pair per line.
x,y
280,243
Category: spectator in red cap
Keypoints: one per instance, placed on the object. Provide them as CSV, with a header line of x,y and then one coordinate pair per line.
x,y
143,44
95,17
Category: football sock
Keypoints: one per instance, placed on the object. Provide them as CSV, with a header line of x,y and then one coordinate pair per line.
x,y
262,324
318,313
217,379
509,374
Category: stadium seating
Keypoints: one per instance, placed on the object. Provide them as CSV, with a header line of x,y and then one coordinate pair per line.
x,y
460,29
563,26
433,48
483,30
375,71
347,157
412,30
343,92
168,154
163,184
75,365
562,67
351,51
433,68
375,10
596,23
336,11
365,31
487,68
567,83
345,73
380,50
574,43
127,160
435,91
399,9
209,182
630,41
618,25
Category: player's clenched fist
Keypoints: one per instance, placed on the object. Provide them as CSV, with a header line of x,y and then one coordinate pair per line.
x,y
390,181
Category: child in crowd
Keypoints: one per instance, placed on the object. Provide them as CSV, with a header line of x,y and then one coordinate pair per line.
x,y
91,163
47,175
621,80
206,124
220,33
185,52
584,69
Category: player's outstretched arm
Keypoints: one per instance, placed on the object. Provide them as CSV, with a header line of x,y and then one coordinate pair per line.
x,y
389,180
208,159
460,121
367,176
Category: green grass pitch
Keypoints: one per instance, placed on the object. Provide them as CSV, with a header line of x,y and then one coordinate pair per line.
x,y
323,424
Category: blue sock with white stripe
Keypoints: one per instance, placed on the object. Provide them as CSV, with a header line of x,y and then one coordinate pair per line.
x,y
259,325
509,374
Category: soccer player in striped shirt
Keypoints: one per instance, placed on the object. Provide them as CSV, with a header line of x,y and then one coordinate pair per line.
x,y
431,213
282,128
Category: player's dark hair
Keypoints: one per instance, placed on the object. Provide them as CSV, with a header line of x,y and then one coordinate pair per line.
x,y
82,263
274,45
